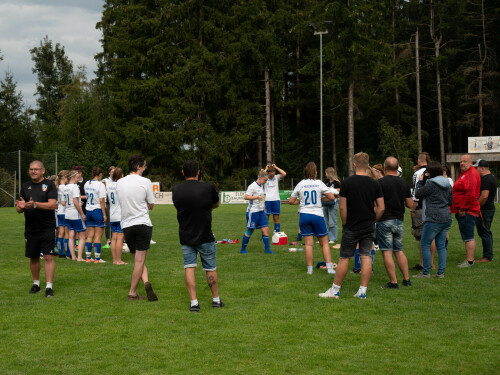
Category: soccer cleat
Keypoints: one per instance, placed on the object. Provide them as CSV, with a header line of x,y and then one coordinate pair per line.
x,y
439,276
34,289
218,304
194,308
421,275
150,293
99,261
309,272
407,282
89,260
360,295
137,297
243,251
356,270
390,285
107,246
49,292
330,294
465,264
269,252
331,271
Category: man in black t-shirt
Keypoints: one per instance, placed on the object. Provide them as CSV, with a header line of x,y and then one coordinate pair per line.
x,y
361,204
194,201
487,203
38,201
390,228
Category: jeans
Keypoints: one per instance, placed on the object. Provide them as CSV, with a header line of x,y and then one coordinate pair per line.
x,y
434,231
330,213
485,232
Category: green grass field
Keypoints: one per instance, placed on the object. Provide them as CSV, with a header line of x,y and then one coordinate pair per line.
x,y
273,322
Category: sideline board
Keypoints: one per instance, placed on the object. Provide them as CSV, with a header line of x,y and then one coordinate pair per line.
x,y
238,197
484,144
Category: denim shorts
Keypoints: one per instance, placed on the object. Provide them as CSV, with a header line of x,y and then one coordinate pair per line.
x,y
95,218
273,207
351,238
390,234
207,255
466,224
312,225
256,220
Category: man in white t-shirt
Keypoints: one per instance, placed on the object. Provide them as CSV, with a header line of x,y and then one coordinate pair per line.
x,y
135,194
272,190
256,217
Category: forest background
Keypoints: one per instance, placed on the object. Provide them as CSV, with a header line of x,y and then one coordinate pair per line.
x,y
235,84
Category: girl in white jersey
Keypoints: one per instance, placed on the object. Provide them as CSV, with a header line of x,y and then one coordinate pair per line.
x,y
96,215
74,215
308,193
115,216
62,229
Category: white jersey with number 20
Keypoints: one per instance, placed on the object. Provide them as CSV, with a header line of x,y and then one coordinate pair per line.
x,y
309,193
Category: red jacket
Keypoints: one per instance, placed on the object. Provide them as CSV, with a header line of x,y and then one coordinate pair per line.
x,y
466,192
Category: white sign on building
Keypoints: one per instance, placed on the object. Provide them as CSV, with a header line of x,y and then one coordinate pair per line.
x,y
484,144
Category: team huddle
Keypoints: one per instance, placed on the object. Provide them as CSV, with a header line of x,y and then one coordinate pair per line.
x,y
371,204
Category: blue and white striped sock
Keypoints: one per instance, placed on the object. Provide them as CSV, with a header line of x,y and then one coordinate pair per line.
x,y
97,251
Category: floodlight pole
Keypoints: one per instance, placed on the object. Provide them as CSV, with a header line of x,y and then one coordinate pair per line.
x,y
320,33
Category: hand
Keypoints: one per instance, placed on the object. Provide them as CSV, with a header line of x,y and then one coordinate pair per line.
x,y
21,203
104,218
421,177
29,205
83,217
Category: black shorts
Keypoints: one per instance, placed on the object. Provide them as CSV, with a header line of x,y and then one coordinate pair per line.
x,y
351,238
138,237
37,242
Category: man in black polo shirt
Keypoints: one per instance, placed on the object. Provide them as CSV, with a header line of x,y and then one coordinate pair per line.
x,y
194,201
487,203
361,205
38,201
390,228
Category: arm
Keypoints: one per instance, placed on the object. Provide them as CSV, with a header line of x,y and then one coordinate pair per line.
x,y
281,171
380,208
103,208
409,203
50,205
421,190
328,197
293,200
343,209
471,187
78,208
483,197
249,197
20,205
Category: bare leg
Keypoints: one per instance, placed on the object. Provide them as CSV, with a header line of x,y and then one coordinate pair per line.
x,y
323,242
81,244
139,272
402,264
470,249
35,268
308,245
190,279
71,244
213,283
389,266
50,268
366,269
276,218
342,269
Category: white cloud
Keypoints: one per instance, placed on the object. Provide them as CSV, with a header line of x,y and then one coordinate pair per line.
x,y
24,23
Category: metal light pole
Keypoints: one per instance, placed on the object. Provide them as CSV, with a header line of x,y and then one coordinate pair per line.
x,y
320,33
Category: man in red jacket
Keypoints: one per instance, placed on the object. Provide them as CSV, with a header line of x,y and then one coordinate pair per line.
x,y
466,207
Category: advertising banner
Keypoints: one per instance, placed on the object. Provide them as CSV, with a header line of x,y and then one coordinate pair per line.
x,y
484,144
232,197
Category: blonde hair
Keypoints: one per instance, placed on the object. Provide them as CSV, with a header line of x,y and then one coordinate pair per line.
x,y
362,159
379,168
331,174
371,173
72,174
62,174
262,173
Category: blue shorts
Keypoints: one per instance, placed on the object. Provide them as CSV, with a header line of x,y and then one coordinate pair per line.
x,y
390,235
60,221
256,220
207,255
116,227
95,218
312,225
77,225
273,207
466,224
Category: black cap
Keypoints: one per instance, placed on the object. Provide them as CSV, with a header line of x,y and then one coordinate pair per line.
x,y
481,163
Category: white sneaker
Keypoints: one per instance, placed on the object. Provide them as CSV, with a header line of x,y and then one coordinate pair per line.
x,y
125,249
331,241
153,242
360,295
329,294
309,272
331,271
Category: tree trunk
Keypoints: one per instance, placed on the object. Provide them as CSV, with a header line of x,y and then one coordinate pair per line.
x,y
268,117
482,58
273,149
350,126
394,59
449,141
334,148
259,150
297,87
419,115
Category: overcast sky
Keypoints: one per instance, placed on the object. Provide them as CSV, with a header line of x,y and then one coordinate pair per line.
x,y
24,23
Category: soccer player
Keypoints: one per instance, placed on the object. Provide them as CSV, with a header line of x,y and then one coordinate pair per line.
x,y
115,217
106,181
256,218
75,218
194,201
135,194
271,188
361,205
96,215
62,228
38,201
308,193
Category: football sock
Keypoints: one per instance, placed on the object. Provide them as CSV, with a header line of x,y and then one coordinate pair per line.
x,y
265,239
97,251
309,270
48,286
194,302
277,227
88,250
60,245
299,236
216,299
362,289
244,243
357,260
36,282
66,247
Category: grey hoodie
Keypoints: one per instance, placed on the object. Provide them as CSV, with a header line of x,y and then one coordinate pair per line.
x,y
438,199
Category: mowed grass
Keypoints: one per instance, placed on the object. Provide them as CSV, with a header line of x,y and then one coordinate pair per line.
x,y
273,323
